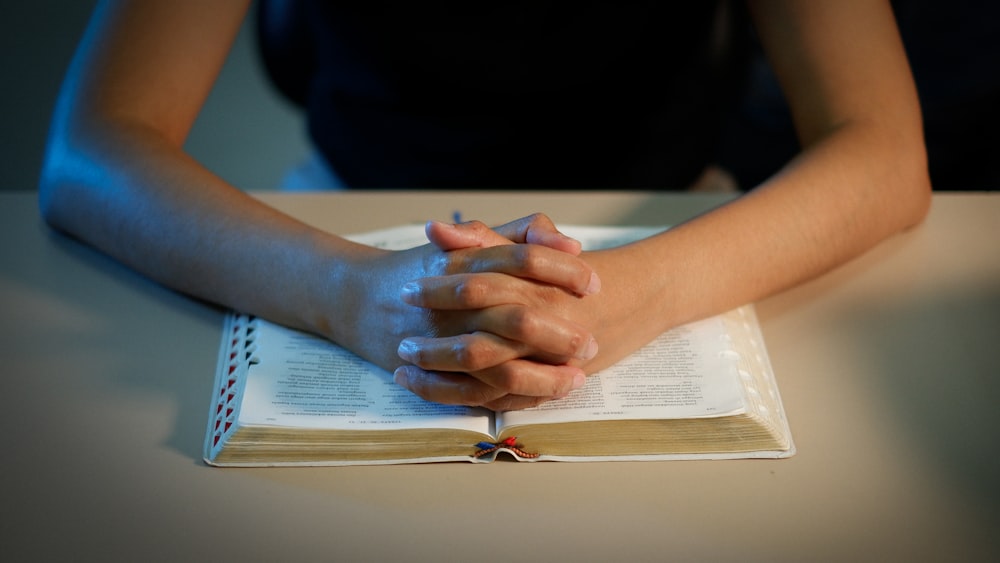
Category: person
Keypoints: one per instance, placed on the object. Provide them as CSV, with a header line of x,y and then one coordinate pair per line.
x,y
506,317
951,55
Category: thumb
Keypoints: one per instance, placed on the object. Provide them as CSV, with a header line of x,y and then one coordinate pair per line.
x,y
472,234
539,229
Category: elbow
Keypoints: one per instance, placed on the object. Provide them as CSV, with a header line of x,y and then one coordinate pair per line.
x,y
56,172
52,182
898,157
914,177
48,191
922,203
917,186
63,179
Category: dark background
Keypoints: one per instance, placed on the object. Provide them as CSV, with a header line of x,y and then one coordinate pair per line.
x,y
246,132
250,135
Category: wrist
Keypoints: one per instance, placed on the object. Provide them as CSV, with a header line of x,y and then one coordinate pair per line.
x,y
633,307
338,283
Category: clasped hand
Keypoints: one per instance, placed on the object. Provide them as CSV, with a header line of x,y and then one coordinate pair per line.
x,y
491,336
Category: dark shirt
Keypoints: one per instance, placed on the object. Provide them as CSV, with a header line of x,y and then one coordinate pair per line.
x,y
516,94
954,53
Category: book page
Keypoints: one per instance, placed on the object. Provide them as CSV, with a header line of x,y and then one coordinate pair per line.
x,y
297,379
309,382
401,237
690,371
687,372
599,238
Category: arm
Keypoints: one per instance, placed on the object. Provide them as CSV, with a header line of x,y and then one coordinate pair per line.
x,y
116,176
860,178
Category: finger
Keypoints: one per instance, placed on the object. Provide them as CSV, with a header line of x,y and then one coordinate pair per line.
x,y
532,379
448,388
477,291
461,353
539,229
420,381
516,377
499,334
535,261
471,234
533,229
471,291
516,403
527,261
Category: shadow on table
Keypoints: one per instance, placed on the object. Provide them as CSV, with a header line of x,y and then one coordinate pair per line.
x,y
159,341
938,366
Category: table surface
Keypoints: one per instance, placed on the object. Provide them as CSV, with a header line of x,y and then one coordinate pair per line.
x,y
888,368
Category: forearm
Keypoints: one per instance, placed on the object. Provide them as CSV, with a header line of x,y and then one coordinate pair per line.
x,y
115,174
846,192
861,176
131,193
134,195
841,196
862,173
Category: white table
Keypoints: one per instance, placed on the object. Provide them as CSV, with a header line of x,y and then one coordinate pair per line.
x,y
889,368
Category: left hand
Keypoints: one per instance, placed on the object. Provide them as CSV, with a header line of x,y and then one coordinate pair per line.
x,y
626,314
615,316
520,345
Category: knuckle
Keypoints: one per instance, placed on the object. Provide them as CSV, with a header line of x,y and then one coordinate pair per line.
x,y
511,378
525,323
529,259
471,291
440,263
477,394
471,353
576,342
466,353
476,226
418,357
539,219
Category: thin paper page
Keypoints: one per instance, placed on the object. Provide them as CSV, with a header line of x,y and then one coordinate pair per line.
x,y
687,372
308,382
394,238
598,238
591,238
280,391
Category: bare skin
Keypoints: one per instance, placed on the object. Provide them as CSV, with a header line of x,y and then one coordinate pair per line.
x,y
860,178
474,318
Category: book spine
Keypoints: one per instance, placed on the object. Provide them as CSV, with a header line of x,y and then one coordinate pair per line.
x,y
237,353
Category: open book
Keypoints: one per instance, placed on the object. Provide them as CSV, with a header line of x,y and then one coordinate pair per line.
x,y
703,390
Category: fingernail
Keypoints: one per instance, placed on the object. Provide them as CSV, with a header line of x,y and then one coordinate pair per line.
x,y
590,351
407,350
595,284
579,381
399,377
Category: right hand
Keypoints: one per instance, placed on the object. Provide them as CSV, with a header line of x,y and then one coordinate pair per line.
x,y
501,347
